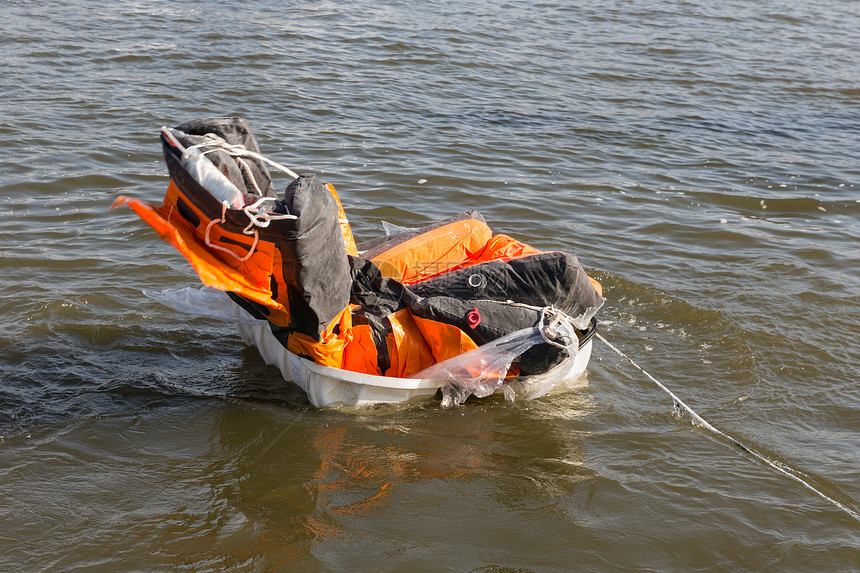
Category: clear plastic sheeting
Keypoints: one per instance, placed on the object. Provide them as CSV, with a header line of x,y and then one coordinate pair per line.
x,y
204,302
481,372
392,229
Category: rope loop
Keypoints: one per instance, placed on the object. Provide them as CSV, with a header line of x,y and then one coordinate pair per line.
x,y
239,151
222,220
261,217
559,328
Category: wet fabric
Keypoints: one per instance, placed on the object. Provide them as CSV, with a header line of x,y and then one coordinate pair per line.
x,y
235,131
411,300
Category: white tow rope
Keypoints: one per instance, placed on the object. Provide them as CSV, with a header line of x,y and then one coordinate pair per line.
x,y
699,421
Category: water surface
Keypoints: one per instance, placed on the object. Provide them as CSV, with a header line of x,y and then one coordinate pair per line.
x,y
699,157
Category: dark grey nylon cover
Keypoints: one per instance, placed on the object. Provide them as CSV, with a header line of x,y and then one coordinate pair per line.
x,y
235,131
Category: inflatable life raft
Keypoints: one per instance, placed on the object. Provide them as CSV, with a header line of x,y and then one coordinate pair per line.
x,y
449,306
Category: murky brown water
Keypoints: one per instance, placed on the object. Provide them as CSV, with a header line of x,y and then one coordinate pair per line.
x,y
699,157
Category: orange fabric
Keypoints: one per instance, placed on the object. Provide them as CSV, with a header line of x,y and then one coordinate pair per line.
x,y
444,340
248,279
498,248
348,239
407,349
597,286
173,194
447,341
434,252
360,355
505,247
329,350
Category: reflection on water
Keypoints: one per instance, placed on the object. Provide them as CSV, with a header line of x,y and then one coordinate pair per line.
x,y
312,488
